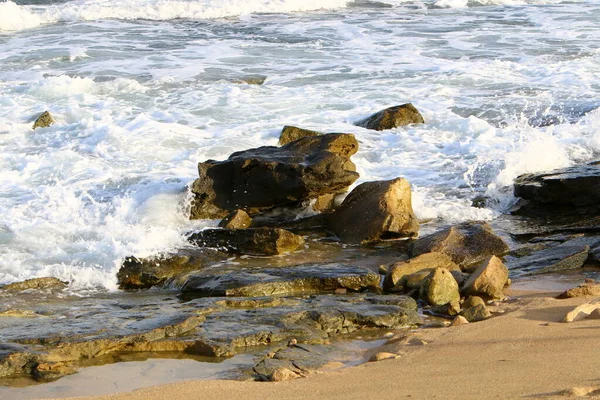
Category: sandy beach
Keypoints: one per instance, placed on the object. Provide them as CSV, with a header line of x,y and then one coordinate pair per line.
x,y
525,352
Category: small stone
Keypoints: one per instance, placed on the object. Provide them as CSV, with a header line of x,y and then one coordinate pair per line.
x,y
477,313
292,342
459,320
488,279
473,301
44,120
341,291
392,117
383,356
238,219
283,374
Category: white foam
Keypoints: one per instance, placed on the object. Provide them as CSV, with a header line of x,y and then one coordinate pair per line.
x,y
14,17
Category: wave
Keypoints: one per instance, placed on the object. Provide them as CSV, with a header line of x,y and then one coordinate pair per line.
x,y
14,17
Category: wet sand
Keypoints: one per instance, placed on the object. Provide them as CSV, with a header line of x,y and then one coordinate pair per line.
x,y
525,352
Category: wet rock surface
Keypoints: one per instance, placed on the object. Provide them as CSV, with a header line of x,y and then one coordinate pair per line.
x,y
564,257
292,133
268,176
35,284
238,219
397,276
393,117
44,120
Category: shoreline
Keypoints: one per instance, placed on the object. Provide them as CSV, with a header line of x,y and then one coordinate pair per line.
x,y
525,352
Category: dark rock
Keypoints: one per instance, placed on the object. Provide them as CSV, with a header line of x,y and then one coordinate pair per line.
x,y
303,279
392,117
563,257
266,177
44,120
374,211
237,219
144,273
488,280
477,313
467,244
36,284
440,289
292,133
255,241
398,273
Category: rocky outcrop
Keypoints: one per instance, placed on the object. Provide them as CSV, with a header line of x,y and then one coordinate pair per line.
x,y
35,284
440,289
303,279
238,219
44,120
588,288
265,177
467,244
254,241
375,211
397,274
392,117
488,280
567,256
292,133
138,273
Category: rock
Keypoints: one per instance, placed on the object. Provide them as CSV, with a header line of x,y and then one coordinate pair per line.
x,y
398,273
237,219
303,279
255,241
489,279
563,257
283,374
44,120
252,80
573,187
292,133
472,301
459,320
594,314
375,211
467,244
324,203
392,117
440,288
383,356
266,177
477,313
582,311
155,271
585,289
35,284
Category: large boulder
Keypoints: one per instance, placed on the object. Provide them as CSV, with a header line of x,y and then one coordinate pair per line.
x,y
374,211
254,241
303,279
488,280
398,273
440,289
292,133
268,176
467,244
392,117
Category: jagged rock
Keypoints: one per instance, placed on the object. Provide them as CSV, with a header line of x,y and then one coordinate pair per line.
x,y
566,256
440,288
472,301
255,241
144,273
392,117
44,120
36,284
303,279
374,211
467,244
267,177
459,320
324,203
292,133
238,219
477,313
582,311
585,289
398,273
488,279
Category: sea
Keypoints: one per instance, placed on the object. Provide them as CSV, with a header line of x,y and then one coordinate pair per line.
x,y
143,90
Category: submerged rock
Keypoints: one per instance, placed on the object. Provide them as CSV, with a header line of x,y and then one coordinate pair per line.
x,y
238,219
138,273
303,279
44,120
35,284
467,244
489,279
292,133
440,289
374,211
398,273
255,241
392,117
267,177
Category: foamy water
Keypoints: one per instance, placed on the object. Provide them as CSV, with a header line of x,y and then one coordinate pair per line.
x,y
144,90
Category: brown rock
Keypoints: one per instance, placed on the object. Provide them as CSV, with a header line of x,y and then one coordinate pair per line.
x,y
473,301
467,244
440,288
585,289
292,133
393,117
238,219
477,313
283,374
397,274
459,320
36,284
324,203
374,211
44,120
488,279
383,356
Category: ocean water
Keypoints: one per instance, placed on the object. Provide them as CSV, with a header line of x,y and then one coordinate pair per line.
x,y
142,90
